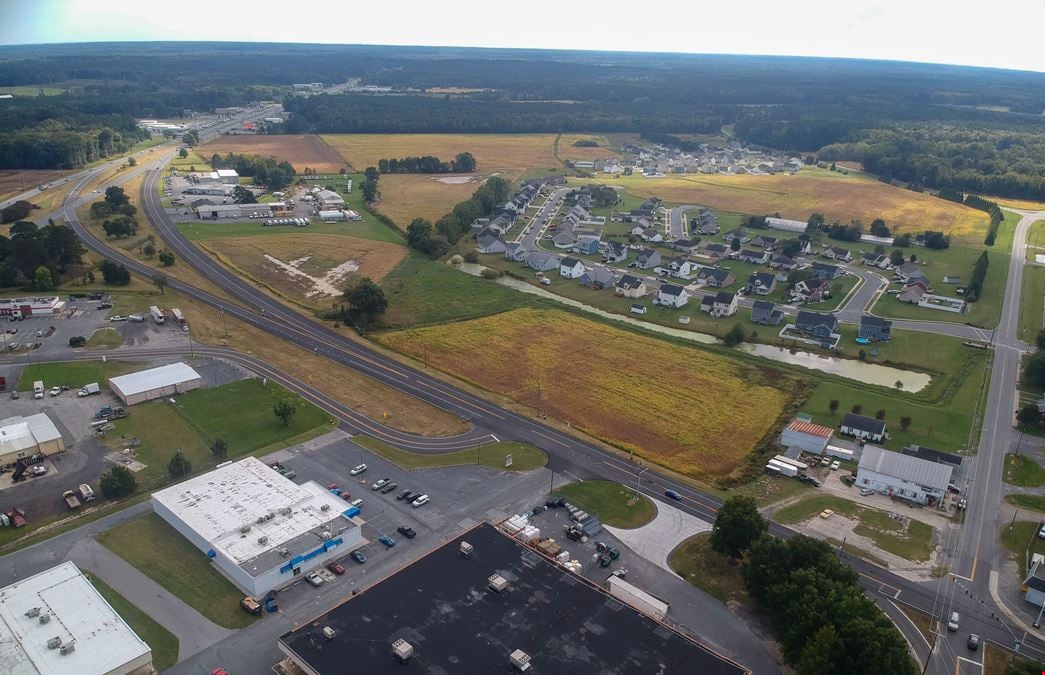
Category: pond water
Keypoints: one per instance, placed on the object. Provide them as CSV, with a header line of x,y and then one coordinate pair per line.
x,y
870,373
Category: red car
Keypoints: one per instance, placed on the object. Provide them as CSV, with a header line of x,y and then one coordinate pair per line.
x,y
347,497
219,671
336,568
332,486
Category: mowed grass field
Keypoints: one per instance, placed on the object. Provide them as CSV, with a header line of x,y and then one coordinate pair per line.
x,y
18,181
325,253
693,411
408,196
837,196
300,150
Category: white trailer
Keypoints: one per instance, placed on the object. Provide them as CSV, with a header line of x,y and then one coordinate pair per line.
x,y
634,596
788,470
801,466
839,453
157,314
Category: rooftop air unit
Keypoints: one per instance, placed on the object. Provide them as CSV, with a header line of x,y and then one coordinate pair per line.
x,y
67,649
520,659
329,632
45,618
466,548
245,529
403,650
497,583
54,643
263,540
33,612
324,507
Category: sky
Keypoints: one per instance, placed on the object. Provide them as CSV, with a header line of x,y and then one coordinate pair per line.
x,y
1000,34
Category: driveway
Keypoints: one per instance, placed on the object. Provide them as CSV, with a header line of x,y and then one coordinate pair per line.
x,y
657,539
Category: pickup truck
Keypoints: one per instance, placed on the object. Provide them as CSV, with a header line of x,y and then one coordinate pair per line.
x,y
70,499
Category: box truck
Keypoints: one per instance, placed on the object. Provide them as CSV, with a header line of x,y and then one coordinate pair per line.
x,y
156,313
88,389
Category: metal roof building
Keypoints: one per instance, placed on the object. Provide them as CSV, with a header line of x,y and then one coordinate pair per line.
x,y
57,622
898,475
806,436
261,529
28,436
145,385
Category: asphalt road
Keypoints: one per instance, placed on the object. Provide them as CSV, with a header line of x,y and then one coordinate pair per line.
x,y
542,219
677,221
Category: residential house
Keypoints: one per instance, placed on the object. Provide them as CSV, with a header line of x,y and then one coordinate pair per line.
x,y
816,325
722,303
615,252
766,313
671,295
715,277
762,283
875,328
912,293
564,238
764,241
837,254
638,309
597,278
489,243
705,224
739,233
541,261
686,245
638,227
811,290
875,260
516,252
825,271
716,251
630,286
754,257
681,267
866,428
782,263
904,476
571,268
912,272
648,259
652,234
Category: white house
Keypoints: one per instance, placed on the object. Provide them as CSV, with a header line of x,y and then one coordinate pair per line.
x,y
671,295
866,428
571,268
897,475
722,303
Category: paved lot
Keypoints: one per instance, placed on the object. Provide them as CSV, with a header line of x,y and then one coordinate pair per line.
x,y
657,539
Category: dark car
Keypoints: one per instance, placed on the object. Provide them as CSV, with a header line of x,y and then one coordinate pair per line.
x,y
406,531
336,568
358,556
388,488
674,495
974,641
613,553
555,502
409,496
403,494
271,606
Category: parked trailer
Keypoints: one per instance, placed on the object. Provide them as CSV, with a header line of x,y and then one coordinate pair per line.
x,y
637,598
782,468
70,499
840,453
157,314
802,466
85,492
180,318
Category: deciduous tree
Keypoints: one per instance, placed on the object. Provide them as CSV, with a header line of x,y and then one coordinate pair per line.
x,y
118,482
738,525
283,407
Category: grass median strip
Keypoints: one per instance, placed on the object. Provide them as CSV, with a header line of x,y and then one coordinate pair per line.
x,y
524,455
73,373
162,642
1023,471
1033,502
159,552
615,505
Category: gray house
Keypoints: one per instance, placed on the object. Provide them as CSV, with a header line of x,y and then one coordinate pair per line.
x,y
648,259
762,283
541,261
825,271
616,251
755,257
516,252
766,313
816,324
597,278
715,277
489,243
875,328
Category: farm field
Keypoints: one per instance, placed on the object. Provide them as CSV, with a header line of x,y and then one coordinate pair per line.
x,y
308,268
837,196
665,406
16,181
300,150
408,196
567,149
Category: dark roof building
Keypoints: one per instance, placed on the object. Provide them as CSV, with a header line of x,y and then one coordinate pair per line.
x,y
930,455
444,607
765,313
865,424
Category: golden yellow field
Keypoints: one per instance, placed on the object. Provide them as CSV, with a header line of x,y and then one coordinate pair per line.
x,y
408,196
568,151
691,410
836,196
1022,204
504,153
310,268
299,150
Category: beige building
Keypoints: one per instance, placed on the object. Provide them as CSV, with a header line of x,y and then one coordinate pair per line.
x,y
27,436
146,385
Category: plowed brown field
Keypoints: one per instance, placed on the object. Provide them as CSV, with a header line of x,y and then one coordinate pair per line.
x,y
299,150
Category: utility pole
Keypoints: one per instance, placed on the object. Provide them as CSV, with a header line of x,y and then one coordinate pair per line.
x,y
538,398
223,322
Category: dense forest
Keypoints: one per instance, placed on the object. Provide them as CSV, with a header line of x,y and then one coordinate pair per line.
x,y
938,127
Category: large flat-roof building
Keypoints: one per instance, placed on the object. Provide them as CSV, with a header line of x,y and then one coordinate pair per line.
x,y
146,385
444,607
905,476
56,622
27,436
260,529
228,176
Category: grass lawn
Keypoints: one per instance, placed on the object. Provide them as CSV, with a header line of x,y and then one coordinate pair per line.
x,y
1033,502
104,338
1021,540
422,292
1032,303
160,553
923,622
615,505
524,456
1023,471
163,643
697,563
74,373
915,544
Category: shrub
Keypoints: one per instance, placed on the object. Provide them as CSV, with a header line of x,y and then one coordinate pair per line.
x,y
77,341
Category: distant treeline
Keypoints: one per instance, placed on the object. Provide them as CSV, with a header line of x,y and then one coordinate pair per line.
x,y
462,163
670,141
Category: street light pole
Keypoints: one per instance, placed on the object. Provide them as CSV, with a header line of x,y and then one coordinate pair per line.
x,y
223,322
1037,622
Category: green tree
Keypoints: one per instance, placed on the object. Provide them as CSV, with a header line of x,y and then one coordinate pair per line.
x,y
283,407
471,257
183,153
242,195
905,422
219,448
1028,416
43,280
149,250
896,258
166,258
369,190
371,173
735,336
1040,341
115,274
366,301
734,244
833,406
815,222
880,414
464,162
179,465
118,482
418,233
737,526
821,654
160,281
132,161
1034,370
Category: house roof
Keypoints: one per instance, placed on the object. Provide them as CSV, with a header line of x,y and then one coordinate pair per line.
x,y
831,269
930,455
715,247
816,319
1036,577
783,260
814,284
629,281
671,289
871,320
569,262
724,298
863,423
811,429
749,253
763,278
616,246
920,471
486,239
647,252
599,274
763,306
717,274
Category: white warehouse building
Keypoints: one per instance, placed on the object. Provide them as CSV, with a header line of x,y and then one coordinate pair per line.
x,y
260,529
145,385
905,476
57,622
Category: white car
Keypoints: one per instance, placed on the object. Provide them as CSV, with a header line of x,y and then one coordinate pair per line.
x,y
358,470
314,579
135,317
380,484
55,391
420,501
117,317
39,470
